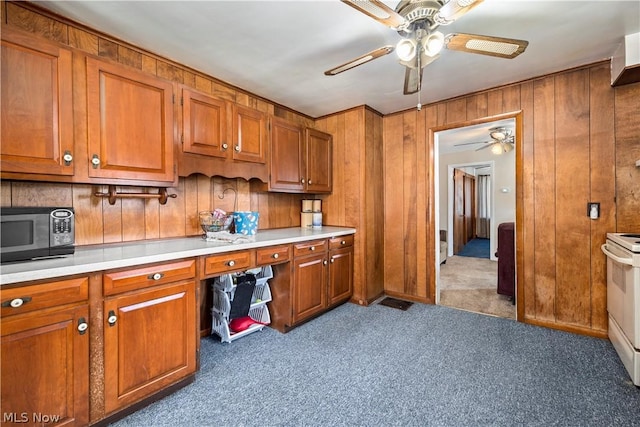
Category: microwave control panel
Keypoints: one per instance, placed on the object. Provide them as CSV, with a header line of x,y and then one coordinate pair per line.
x,y
62,227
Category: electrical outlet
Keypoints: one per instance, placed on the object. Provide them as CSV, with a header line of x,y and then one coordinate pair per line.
x,y
593,210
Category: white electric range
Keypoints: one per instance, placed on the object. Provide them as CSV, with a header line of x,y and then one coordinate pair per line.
x,y
623,298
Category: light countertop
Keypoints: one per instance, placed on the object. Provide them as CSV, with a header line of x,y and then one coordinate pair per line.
x,y
88,259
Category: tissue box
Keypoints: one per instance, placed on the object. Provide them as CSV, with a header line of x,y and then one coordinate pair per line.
x,y
246,222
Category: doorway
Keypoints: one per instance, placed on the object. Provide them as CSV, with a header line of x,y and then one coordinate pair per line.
x,y
467,211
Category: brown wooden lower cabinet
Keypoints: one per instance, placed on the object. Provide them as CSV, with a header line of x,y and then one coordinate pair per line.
x,y
45,354
309,286
149,337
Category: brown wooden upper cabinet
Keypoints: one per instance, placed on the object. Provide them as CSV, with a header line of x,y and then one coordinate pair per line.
x,y
222,138
249,134
36,107
301,159
130,125
204,124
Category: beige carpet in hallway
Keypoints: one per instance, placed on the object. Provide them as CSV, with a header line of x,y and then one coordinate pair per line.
x,y
470,284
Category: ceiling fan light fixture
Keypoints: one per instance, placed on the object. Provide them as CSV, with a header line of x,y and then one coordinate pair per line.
x,y
406,49
498,134
507,147
496,149
433,43
454,9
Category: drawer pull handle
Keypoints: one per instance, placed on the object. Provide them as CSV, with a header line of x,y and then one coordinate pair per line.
x,y
82,326
312,248
16,302
155,276
231,263
275,256
112,319
344,242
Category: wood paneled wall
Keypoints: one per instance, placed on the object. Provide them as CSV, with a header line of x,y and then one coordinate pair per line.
x,y
357,197
580,139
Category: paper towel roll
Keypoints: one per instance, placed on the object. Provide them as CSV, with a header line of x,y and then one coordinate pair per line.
x,y
317,205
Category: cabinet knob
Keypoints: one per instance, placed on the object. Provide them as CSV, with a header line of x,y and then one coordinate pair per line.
x,y
312,248
275,256
67,158
225,146
95,161
237,148
324,262
16,302
112,319
156,276
332,260
344,242
231,263
82,326
309,182
302,181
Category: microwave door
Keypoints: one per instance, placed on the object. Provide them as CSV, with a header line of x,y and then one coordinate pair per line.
x,y
19,234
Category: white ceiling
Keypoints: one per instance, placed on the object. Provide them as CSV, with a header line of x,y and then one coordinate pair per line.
x,y
279,50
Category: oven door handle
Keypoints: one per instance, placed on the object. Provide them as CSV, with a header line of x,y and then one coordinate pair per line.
x,y
615,257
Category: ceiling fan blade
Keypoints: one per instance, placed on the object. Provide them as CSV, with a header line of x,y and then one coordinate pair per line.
x,y
485,45
486,146
412,80
379,11
453,10
360,60
470,143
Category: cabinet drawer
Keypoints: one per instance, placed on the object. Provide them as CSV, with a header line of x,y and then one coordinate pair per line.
x,y
227,262
273,255
139,278
24,299
309,248
341,242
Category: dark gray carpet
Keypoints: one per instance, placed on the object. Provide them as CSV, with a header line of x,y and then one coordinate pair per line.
x,y
429,365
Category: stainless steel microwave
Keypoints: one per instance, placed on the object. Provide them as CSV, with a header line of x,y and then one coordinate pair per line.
x,y
28,233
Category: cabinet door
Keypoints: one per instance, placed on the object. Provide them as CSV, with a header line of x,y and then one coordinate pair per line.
x,y
249,134
309,286
37,111
149,341
319,161
130,124
45,367
287,157
340,275
204,124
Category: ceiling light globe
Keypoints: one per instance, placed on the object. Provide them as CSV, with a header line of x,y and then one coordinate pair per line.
x,y
507,147
496,149
406,49
433,43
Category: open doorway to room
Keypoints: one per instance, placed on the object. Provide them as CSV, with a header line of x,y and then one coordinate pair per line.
x,y
475,194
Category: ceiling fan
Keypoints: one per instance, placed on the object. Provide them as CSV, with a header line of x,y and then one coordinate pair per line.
x,y
501,141
416,21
